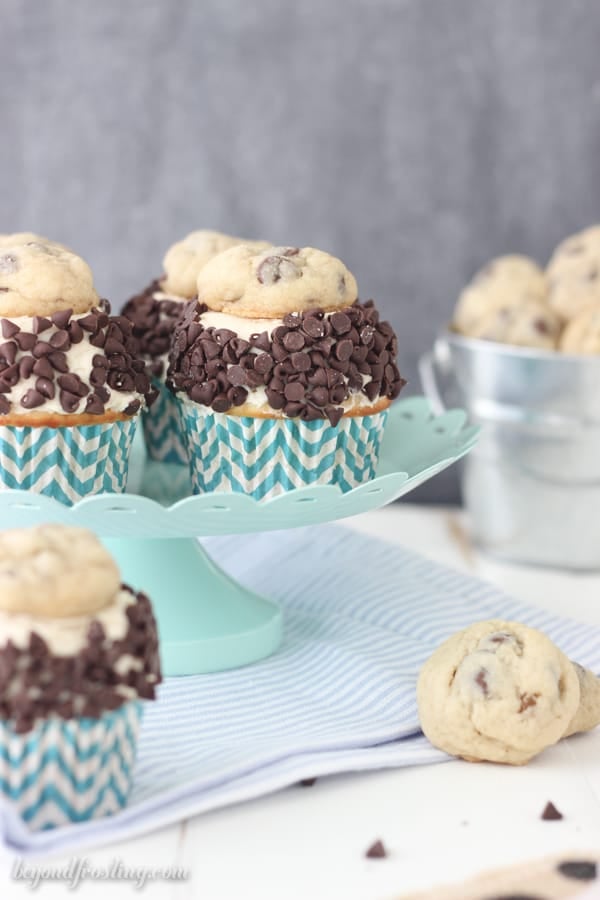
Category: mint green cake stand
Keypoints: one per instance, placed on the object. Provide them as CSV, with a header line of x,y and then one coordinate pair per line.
x,y
206,620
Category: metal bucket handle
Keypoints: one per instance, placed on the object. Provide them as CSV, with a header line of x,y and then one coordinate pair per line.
x,y
435,368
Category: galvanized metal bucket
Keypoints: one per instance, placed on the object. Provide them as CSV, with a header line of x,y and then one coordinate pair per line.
x,y
532,483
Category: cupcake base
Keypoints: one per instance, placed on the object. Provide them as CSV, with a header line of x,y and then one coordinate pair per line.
x,y
66,463
70,770
267,457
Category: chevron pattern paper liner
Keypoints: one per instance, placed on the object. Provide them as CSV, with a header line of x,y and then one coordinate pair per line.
x,y
70,770
66,463
267,457
162,428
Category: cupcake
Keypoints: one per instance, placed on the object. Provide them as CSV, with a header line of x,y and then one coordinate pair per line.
x,y
70,384
283,377
78,655
154,313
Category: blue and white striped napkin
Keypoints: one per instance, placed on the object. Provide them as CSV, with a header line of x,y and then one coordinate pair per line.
x,y
361,616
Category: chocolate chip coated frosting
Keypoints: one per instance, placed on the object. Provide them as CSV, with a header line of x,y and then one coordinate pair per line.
x,y
70,363
311,364
153,316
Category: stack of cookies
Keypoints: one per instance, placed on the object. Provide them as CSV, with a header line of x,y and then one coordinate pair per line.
x,y
513,301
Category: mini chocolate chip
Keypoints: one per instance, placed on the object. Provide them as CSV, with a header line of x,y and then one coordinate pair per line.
x,y
367,333
61,318
313,327
60,340
121,381
261,341
293,341
8,352
343,350
236,375
203,393
117,361
9,329
254,379
318,377
10,375
334,414
4,406
224,335
100,361
221,403
292,320
73,385
94,406
27,366
340,323
372,390
25,341
75,333
32,398
301,361
45,387
132,408
338,393
112,345
551,813
292,410
294,391
238,395
279,352
193,332
211,349
376,851
68,401
98,340
263,363
98,376
275,398
320,396
102,393
579,870
89,322
42,348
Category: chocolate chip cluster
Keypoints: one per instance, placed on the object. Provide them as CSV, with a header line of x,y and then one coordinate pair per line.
x,y
153,325
35,684
43,352
308,365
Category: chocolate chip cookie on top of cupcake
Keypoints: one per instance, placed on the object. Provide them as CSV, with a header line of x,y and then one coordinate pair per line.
x,y
284,378
154,313
71,385
78,654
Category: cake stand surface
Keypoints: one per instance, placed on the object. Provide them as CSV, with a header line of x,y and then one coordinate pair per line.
x,y
206,620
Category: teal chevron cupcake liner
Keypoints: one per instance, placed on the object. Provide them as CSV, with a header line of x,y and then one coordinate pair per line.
x,y
267,457
162,428
70,770
66,463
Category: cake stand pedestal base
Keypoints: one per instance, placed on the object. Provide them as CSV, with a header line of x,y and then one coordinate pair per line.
x,y
206,621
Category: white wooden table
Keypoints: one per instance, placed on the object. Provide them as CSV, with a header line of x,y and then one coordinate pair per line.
x,y
439,823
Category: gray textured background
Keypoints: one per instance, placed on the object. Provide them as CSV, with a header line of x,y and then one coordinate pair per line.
x,y
413,138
